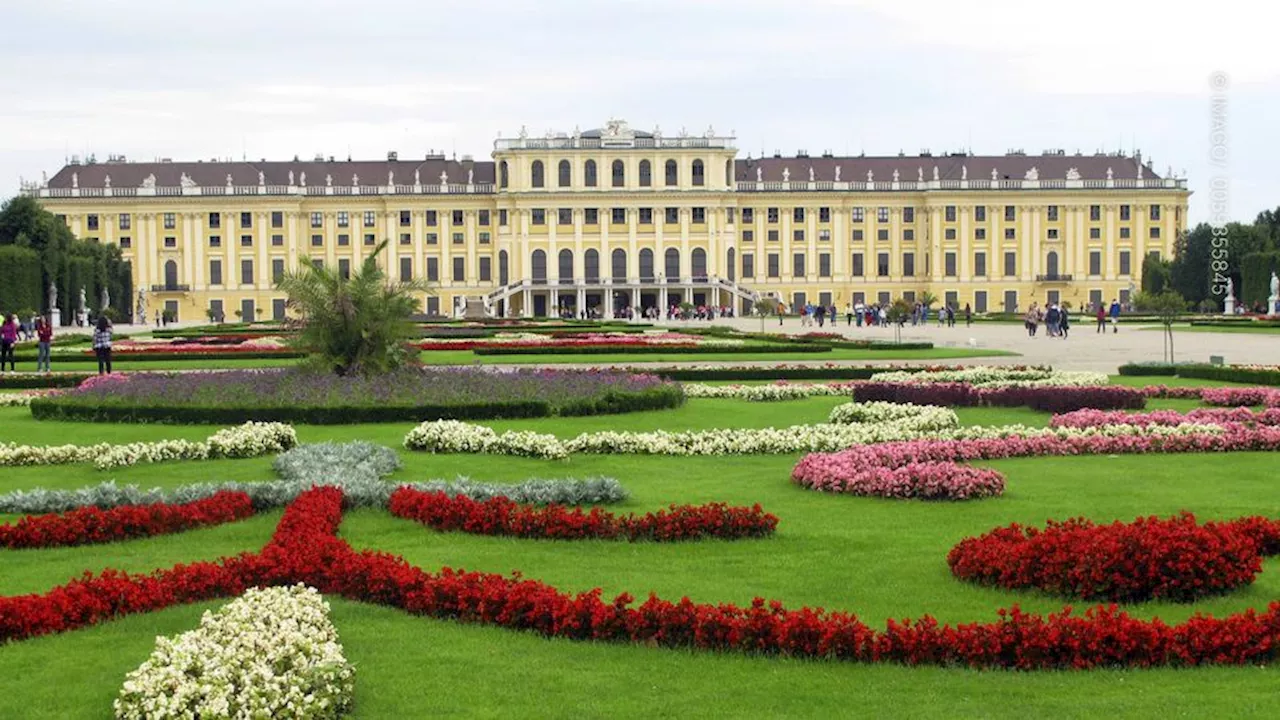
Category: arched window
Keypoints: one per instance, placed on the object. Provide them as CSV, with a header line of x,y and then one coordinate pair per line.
x,y
646,265
566,174
730,258
591,261
502,174
699,174
698,260
170,274
619,174
672,262
589,173
646,174
566,267
538,263
1051,263
619,258
538,177
673,174
504,268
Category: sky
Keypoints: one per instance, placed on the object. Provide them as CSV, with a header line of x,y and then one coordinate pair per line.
x,y
1194,86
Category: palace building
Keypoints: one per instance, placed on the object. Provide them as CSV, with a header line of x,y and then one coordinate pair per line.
x,y
619,217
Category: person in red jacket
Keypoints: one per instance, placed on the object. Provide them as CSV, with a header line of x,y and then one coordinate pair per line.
x,y
1102,318
8,338
44,338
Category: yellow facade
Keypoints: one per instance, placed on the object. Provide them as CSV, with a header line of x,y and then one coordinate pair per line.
x,y
618,218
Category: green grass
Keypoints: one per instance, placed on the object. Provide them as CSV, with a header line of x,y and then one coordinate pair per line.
x,y
879,558
1244,330
466,357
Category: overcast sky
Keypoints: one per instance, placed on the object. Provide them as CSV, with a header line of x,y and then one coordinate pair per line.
x,y
278,78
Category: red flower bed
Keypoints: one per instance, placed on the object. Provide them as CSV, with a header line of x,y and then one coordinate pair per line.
x,y
306,549
501,516
92,525
622,342
1057,399
1148,559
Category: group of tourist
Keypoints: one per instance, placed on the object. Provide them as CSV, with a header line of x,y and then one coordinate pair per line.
x,y
1055,317
12,332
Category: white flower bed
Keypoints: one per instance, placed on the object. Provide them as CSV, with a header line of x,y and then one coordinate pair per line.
x,y
272,653
251,439
21,399
766,393
923,417
998,377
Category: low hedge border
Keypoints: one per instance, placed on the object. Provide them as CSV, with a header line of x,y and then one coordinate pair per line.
x,y
1200,371
61,408
32,381
170,356
654,350
1148,369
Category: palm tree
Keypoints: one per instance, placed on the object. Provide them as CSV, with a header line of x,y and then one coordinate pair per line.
x,y
927,299
355,325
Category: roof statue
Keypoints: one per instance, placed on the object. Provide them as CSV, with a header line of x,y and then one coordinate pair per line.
x,y
302,178
471,174
1139,169
444,178
1110,174
391,178
328,180
617,128
1073,174
355,179
44,178
291,178
759,174
711,131
837,173
995,175
1032,174
186,181
149,181
683,133
870,176
576,132
262,178
228,179
417,177
919,174
786,174
935,173
810,173
524,132
75,180
657,132
895,174
964,172
106,182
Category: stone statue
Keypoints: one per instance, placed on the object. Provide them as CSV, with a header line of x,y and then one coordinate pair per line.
x,y
919,174
870,176
524,132
104,299
786,174
935,173
1110,174
1139,170
417,178
471,174
328,180
444,178
302,179
186,181
290,178
140,312
53,296
895,174
810,173
1231,288
837,173
75,180
391,178
80,306
262,178
1032,174
1275,286
1073,174
106,182
149,181
964,172
355,180
228,179
711,132
759,174
995,174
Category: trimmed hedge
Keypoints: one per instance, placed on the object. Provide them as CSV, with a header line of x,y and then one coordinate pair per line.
x,y
1227,373
20,275
32,381
60,408
1148,369
169,356
1246,322
653,350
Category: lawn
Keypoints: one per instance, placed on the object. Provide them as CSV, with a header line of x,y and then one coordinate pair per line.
x,y
882,559
1243,330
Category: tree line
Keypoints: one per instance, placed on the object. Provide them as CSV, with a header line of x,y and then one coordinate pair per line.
x,y
1206,256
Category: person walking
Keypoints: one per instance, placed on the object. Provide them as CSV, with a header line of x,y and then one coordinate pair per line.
x,y
1064,323
8,338
1115,316
1032,320
102,344
44,339
1051,317
968,315
1102,318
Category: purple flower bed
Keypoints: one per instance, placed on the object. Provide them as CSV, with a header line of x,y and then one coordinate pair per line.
x,y
1045,398
412,394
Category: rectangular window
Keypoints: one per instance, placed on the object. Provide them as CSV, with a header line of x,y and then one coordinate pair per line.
x,y
1155,233
908,215
1125,268
482,218
317,219
433,238
457,217
277,269
486,269
646,216
1053,233
169,221
126,242
772,215
277,241
980,301
824,265
370,218
433,306
774,265
748,265
882,235
502,218
671,215
344,240
857,235
246,272
748,215
858,269
797,214
909,235
772,236
406,218
1095,262
980,264
215,220
344,219
564,216
824,214
980,213
1095,233
246,241
1010,234
980,234
882,214
1052,212
539,216
882,264
1154,212
728,215
277,219
246,220
126,221
171,242
344,268
949,213
699,216
797,265
215,241
406,269
459,269
458,239
797,236
1010,213
317,240
369,239
949,233
93,222
406,239
433,269
1095,212
484,237
1124,213
858,214
1010,264
432,218
591,216
908,264
949,264
618,216
215,272
748,236
1124,233
824,235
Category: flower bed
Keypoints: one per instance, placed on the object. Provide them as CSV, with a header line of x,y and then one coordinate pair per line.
x,y
1213,416
1046,398
92,525
1148,559
273,653
411,394
998,376
501,516
251,439
305,549
703,349
560,340
1241,397
781,390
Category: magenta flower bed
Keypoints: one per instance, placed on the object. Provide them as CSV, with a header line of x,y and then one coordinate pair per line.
x,y
1212,416
1044,398
1241,397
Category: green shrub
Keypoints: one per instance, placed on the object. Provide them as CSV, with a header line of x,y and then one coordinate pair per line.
x,y
1229,373
32,381
19,280
1145,369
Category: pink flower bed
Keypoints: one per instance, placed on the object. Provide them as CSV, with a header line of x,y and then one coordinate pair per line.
x,y
1211,416
1241,397
1168,392
861,470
